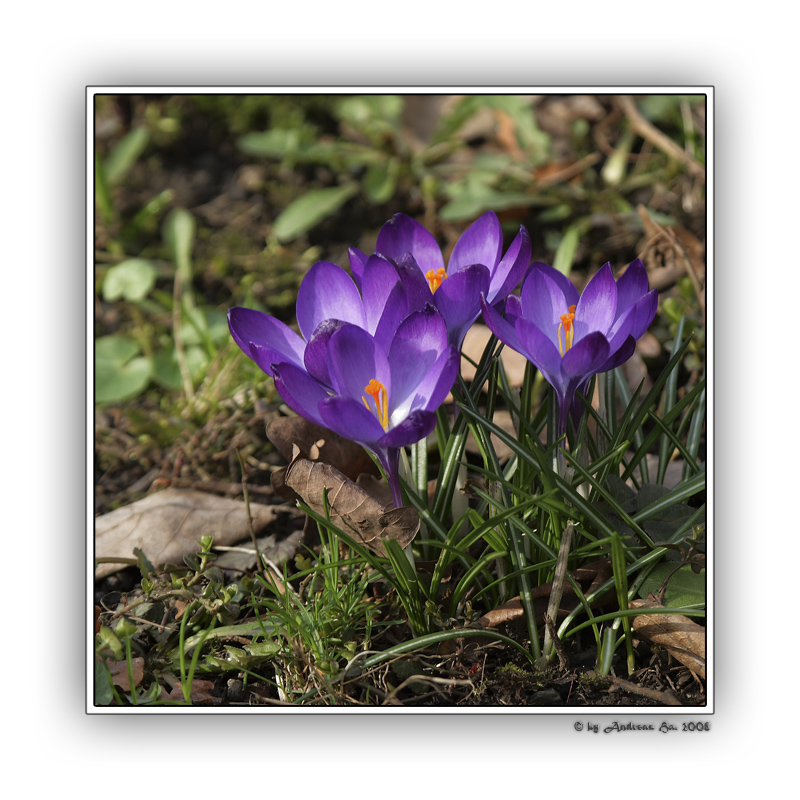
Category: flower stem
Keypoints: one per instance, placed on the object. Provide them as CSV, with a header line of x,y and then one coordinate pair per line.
x,y
392,469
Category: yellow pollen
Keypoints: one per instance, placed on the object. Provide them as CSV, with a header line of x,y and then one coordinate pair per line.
x,y
435,278
377,391
569,332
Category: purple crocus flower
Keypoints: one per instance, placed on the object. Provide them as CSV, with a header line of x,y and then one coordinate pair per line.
x,y
477,267
382,397
570,337
327,298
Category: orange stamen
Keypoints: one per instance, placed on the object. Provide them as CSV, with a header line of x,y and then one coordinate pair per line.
x,y
435,278
569,332
377,391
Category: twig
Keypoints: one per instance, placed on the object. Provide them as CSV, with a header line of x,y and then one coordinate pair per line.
x,y
687,262
558,583
247,509
568,172
561,651
180,353
667,698
658,139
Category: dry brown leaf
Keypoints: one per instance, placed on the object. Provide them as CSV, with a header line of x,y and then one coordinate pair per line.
x,y
683,638
588,577
199,694
320,444
351,508
119,673
168,525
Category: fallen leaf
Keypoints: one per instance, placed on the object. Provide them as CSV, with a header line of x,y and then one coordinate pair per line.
x,y
168,525
119,673
588,577
320,444
244,558
351,508
199,694
683,638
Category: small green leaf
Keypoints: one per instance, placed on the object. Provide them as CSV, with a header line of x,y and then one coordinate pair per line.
x,y
310,209
126,154
275,143
129,280
117,374
381,180
203,325
167,371
565,254
103,690
179,231
106,639
102,192
684,588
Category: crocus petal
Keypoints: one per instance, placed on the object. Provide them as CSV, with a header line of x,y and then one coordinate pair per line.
x,y
434,388
357,261
544,303
413,279
352,420
513,267
354,359
598,304
378,280
327,292
458,300
415,427
315,359
513,308
643,313
300,391
501,328
249,327
481,243
586,356
420,340
568,289
401,235
540,350
620,355
631,286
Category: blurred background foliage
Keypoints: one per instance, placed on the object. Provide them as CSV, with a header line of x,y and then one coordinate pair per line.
x,y
204,202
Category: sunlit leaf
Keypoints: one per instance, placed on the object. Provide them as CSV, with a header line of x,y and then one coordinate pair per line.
x,y
684,588
129,280
126,154
381,180
118,374
310,209
274,143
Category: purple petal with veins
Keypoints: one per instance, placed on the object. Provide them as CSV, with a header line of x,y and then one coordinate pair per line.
x,y
328,292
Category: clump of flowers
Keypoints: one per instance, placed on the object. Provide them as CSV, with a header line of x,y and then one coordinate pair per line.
x,y
477,267
369,365
378,353
569,337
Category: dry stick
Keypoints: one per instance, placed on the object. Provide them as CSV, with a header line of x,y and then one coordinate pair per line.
x,y
247,509
558,583
668,698
561,651
176,332
658,139
688,266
